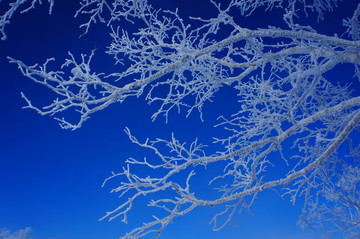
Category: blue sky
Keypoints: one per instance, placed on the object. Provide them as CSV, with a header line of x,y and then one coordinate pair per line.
x,y
50,179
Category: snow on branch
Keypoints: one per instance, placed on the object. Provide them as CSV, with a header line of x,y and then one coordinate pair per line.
x,y
245,182
290,115
16,6
337,206
207,71
107,11
20,234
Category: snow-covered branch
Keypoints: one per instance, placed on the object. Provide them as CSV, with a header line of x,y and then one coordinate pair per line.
x,y
87,92
20,234
289,113
16,6
244,168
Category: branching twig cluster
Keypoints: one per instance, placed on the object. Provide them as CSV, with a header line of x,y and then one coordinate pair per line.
x,y
289,112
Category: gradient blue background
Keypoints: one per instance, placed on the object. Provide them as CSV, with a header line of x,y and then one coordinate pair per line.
x,y
50,178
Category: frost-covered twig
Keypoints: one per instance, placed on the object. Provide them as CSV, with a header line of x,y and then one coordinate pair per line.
x,y
14,7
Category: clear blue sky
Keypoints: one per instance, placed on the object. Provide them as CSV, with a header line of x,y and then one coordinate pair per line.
x,y
50,178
